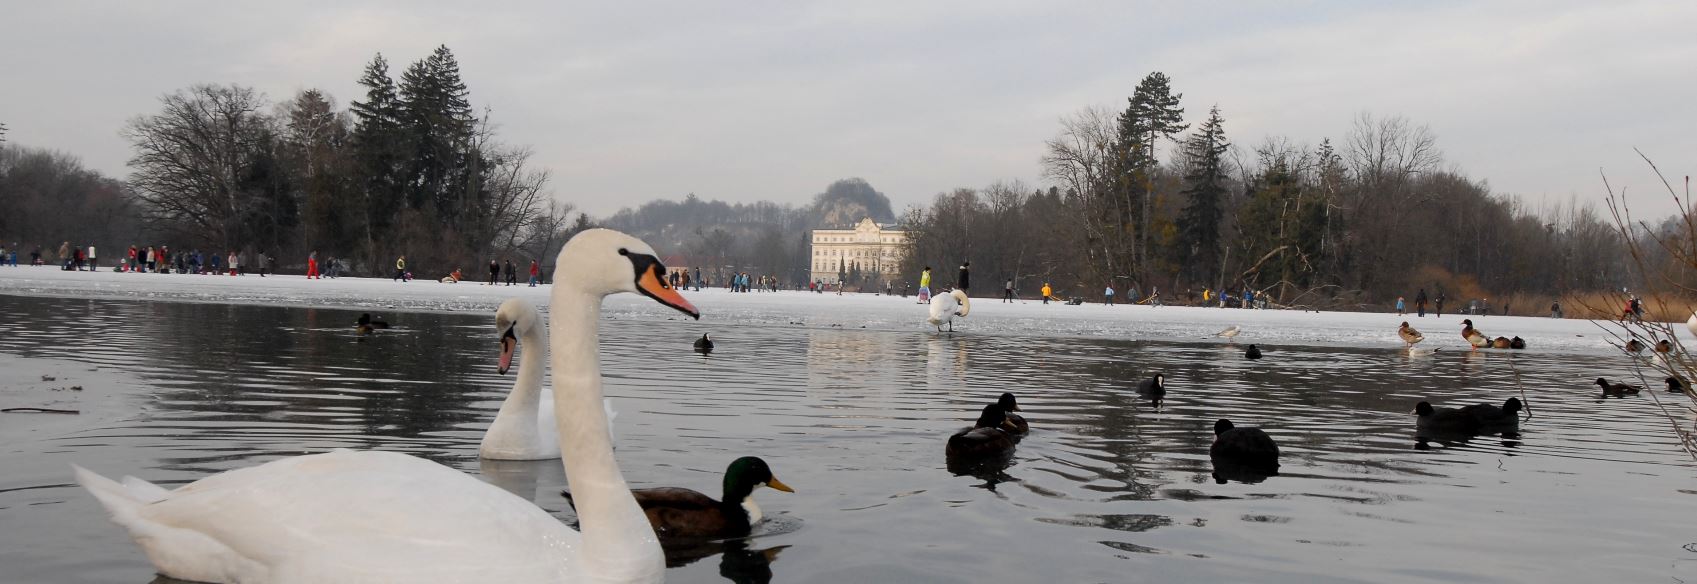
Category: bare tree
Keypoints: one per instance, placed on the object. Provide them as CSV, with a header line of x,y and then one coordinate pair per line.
x,y
190,159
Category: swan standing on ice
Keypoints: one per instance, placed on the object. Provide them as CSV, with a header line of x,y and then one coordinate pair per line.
x,y
945,307
348,516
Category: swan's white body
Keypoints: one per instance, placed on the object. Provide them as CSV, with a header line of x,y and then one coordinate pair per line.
x,y
349,516
524,428
1691,323
945,307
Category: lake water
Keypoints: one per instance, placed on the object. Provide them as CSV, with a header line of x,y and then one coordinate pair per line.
x,y
1106,488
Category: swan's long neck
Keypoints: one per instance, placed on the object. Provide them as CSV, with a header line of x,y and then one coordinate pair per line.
x,y
515,427
618,542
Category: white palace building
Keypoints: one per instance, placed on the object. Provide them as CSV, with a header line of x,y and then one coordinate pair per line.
x,y
874,248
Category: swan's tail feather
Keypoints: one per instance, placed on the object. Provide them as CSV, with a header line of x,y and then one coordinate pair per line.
x,y
144,491
119,501
965,302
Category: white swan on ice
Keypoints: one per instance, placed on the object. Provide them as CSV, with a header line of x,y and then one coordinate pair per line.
x,y
945,307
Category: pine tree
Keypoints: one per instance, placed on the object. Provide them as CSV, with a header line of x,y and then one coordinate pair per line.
x,y
1205,185
378,147
1153,113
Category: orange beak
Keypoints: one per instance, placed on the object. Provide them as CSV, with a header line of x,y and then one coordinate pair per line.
x,y
779,485
653,286
508,343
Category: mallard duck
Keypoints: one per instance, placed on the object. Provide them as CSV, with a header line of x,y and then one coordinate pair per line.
x,y
1495,420
1229,332
1517,343
1675,385
385,516
1249,446
704,344
1409,335
1252,353
1154,388
1617,389
988,437
1500,343
1634,346
1473,336
1663,346
1015,421
366,325
679,513
1432,421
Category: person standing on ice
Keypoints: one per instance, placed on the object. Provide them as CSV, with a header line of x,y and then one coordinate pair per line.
x,y
925,285
1007,291
233,264
964,282
1248,298
312,266
1047,291
1108,295
512,272
1399,307
400,267
93,266
535,269
1439,303
494,271
1420,303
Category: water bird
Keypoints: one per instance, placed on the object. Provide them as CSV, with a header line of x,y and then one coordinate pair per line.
x,y
989,436
1248,446
1517,343
945,307
1409,335
1430,421
1016,422
1229,332
679,513
1664,347
1617,389
704,344
366,325
1497,420
1500,343
1154,388
1473,336
1634,346
371,515
524,428
1675,385
1253,353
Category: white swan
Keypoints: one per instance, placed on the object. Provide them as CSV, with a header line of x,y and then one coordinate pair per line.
x,y
525,429
1691,323
945,307
348,516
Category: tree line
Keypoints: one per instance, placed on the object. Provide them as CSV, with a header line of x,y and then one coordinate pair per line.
x,y
410,169
1357,223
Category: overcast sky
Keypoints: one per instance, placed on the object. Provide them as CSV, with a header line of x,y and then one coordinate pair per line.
x,y
774,100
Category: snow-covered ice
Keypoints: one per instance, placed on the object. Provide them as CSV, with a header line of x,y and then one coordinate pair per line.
x,y
847,311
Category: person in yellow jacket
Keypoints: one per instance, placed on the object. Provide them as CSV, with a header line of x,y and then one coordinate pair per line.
x,y
925,285
1046,292
400,268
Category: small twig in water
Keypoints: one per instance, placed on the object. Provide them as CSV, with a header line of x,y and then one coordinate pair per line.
x,y
38,411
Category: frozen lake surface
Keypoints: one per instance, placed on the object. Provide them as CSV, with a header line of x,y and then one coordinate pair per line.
x,y
1107,488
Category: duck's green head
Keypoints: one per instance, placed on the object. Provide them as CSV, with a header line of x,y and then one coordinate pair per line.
x,y
748,473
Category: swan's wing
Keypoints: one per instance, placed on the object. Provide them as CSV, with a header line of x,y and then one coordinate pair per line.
x,y
346,513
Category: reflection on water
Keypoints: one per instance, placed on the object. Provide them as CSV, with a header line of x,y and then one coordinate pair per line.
x,y
1106,484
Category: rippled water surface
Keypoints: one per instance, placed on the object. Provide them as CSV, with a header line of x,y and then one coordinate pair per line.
x,y
1106,488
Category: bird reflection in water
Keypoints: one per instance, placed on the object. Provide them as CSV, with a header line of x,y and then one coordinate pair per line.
x,y
738,562
992,470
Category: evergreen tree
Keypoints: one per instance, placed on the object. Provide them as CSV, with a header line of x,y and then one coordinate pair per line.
x,y
1152,113
378,145
1205,185
437,118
